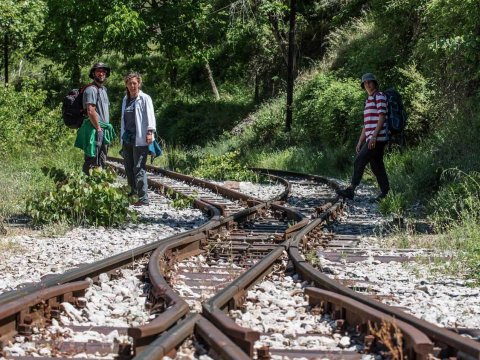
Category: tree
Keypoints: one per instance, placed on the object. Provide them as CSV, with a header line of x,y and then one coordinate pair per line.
x,y
74,33
21,21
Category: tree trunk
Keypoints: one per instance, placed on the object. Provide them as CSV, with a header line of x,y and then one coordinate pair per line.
x,y
256,97
173,76
5,56
290,65
212,81
279,37
76,74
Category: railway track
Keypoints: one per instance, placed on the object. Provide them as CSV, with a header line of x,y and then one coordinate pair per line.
x,y
198,286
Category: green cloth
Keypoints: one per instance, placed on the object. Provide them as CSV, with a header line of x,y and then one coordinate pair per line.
x,y
86,136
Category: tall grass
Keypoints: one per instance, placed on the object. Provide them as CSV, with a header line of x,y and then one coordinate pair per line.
x,y
21,176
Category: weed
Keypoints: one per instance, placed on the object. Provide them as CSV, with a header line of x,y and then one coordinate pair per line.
x,y
391,336
81,200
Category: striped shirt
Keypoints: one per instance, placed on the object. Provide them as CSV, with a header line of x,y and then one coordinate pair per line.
x,y
375,105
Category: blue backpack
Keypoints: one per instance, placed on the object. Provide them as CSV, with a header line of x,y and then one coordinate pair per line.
x,y
396,114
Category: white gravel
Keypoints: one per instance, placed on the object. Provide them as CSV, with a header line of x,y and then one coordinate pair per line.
x,y
419,287
278,306
28,258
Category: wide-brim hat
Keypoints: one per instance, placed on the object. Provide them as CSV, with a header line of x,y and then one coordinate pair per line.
x,y
367,77
99,65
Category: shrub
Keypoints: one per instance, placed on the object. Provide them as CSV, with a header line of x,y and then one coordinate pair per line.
x,y
223,167
328,111
27,122
81,200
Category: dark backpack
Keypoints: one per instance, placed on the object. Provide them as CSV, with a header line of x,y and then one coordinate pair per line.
x,y
396,114
72,109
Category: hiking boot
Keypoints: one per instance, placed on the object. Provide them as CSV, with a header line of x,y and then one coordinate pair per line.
x,y
348,193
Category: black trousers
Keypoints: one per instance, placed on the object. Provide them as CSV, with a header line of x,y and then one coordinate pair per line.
x,y
375,158
99,160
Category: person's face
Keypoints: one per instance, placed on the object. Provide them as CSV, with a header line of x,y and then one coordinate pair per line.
x,y
100,75
133,86
369,86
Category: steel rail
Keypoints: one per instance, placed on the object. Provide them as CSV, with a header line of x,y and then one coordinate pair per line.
x,y
456,345
175,306
232,297
193,324
20,315
213,187
317,178
166,343
355,313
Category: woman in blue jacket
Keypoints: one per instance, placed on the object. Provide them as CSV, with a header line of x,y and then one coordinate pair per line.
x,y
138,128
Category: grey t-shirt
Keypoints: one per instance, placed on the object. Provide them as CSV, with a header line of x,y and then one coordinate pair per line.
x,y
102,104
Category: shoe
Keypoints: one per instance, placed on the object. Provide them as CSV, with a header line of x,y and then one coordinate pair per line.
x,y
140,203
348,193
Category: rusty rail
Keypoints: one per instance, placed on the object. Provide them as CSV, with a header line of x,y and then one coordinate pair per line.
x,y
18,316
416,343
456,345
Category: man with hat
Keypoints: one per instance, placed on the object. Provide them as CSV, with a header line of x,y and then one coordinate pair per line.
x,y
96,107
373,138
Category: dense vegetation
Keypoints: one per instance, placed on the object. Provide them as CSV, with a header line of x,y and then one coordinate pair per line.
x,y
216,71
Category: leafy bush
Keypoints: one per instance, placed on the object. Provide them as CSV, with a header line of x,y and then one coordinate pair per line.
x,y
194,122
448,45
81,200
328,111
224,167
27,122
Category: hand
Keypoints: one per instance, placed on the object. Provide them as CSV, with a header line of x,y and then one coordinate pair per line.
x,y
372,142
149,138
359,147
99,138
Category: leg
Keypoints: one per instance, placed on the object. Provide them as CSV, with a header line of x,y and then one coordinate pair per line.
x,y
361,161
140,174
378,168
89,163
129,163
102,155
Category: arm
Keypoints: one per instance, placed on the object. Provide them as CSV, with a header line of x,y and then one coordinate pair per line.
x,y
92,115
361,140
151,127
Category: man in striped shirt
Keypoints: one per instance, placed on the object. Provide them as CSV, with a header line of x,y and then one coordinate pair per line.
x,y
373,138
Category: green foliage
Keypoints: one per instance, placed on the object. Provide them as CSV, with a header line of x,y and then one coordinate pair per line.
x,y
81,200
224,167
458,198
448,46
456,210
198,121
180,201
328,111
267,127
125,30
393,204
21,21
27,122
